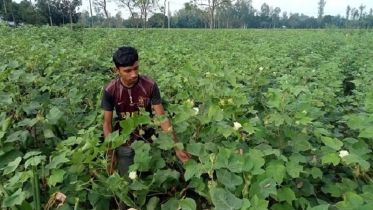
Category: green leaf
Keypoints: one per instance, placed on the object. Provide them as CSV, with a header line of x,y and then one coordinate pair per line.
x,y
34,161
268,187
48,133
18,136
228,179
258,161
352,158
245,204
369,102
258,204
142,157
54,115
187,204
12,166
332,142
294,169
276,170
300,142
136,185
30,154
152,204
225,130
224,199
196,148
56,177
316,172
191,169
248,127
247,162
286,194
321,207
15,199
165,141
171,204
366,132
367,197
60,159
331,158
28,122
9,157
351,201
216,112
128,125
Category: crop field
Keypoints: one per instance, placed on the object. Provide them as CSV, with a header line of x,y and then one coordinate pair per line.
x,y
274,119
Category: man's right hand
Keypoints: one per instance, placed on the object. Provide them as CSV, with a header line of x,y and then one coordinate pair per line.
x,y
112,164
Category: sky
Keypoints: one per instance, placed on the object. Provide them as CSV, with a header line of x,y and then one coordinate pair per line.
x,y
307,7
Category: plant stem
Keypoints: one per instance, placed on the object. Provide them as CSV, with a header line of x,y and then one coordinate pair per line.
x,y
76,203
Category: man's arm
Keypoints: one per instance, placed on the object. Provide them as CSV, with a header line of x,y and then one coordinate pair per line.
x,y
183,156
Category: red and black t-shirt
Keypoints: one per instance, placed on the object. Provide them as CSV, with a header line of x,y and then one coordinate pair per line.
x,y
126,101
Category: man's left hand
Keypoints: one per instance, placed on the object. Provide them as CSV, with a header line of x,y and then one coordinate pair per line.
x,y
183,155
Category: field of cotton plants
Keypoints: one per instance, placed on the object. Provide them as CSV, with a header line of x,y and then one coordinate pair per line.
x,y
273,119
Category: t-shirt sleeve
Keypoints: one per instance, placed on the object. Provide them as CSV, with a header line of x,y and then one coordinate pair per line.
x,y
155,97
107,102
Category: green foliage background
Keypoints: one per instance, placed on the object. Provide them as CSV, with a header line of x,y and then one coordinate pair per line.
x,y
301,96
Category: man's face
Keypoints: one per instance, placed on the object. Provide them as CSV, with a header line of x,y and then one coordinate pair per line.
x,y
129,74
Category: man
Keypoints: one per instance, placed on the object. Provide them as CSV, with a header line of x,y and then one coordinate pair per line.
x,y
126,94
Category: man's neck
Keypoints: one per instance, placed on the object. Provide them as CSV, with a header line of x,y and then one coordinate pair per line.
x,y
129,85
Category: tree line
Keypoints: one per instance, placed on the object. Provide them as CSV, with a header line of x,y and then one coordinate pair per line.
x,y
194,14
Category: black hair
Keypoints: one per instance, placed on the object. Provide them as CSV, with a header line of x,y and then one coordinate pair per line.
x,y
125,56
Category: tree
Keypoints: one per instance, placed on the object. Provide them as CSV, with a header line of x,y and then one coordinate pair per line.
x,y
276,16
348,12
321,9
129,4
162,8
361,8
145,7
212,5
102,4
354,13
119,20
157,20
57,10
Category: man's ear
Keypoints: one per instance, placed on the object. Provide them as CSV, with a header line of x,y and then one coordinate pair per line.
x,y
116,70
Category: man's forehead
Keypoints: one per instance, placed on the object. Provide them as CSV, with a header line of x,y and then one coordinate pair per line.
x,y
136,64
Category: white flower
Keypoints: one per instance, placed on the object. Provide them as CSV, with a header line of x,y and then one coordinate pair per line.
x,y
133,175
196,109
313,70
304,112
261,69
343,153
236,126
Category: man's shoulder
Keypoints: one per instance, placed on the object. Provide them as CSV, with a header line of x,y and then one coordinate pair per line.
x,y
147,79
111,86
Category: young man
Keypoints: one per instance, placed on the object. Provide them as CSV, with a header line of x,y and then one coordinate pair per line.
x,y
126,94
